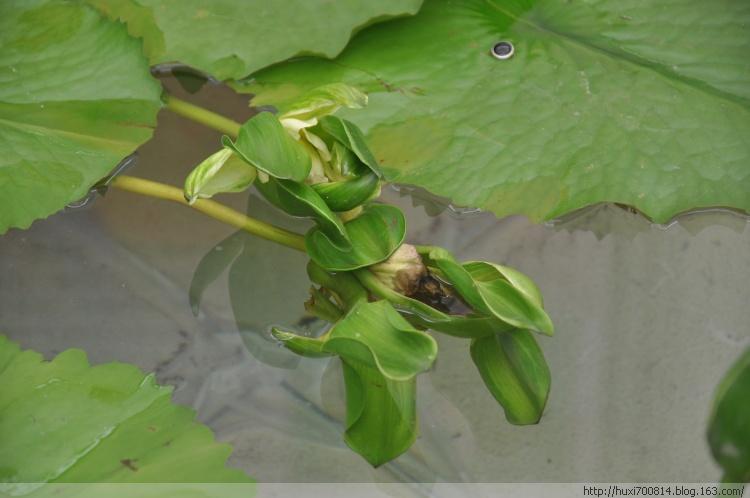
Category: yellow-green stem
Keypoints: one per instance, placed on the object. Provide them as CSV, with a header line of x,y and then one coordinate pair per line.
x,y
212,209
202,116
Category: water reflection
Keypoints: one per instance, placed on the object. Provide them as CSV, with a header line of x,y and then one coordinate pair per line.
x,y
266,284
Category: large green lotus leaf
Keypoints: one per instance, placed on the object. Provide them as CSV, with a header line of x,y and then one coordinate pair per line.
x,y
628,101
515,372
729,427
375,235
66,421
76,96
230,39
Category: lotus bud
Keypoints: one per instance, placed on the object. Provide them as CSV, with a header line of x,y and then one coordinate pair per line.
x,y
403,271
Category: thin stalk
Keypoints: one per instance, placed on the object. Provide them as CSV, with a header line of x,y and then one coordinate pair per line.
x,y
212,209
202,116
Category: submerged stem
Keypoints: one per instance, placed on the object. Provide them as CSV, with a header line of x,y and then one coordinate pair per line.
x,y
202,116
212,209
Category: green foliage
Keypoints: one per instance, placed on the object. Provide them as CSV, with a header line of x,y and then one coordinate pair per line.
x,y
375,235
355,261
729,427
299,199
381,413
324,100
375,335
641,103
265,145
486,288
349,135
230,38
381,353
76,97
515,372
220,172
65,421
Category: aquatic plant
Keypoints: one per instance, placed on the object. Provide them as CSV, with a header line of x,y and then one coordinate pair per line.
x,y
537,107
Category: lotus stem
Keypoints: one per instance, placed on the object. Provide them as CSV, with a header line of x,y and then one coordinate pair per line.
x,y
213,209
202,116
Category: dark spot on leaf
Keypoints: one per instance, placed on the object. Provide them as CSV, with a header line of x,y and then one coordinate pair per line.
x,y
151,428
127,462
167,443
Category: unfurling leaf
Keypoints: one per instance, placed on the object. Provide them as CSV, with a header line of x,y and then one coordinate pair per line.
x,y
375,235
349,135
425,316
347,194
729,427
382,354
514,370
493,290
220,172
299,199
324,100
381,413
265,144
373,334
519,306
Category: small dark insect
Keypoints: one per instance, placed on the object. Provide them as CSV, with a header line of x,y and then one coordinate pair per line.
x,y
129,463
431,291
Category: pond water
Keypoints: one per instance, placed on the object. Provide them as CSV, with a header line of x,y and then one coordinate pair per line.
x,y
647,320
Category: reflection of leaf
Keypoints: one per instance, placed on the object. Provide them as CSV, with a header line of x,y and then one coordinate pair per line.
x,y
729,427
76,97
641,103
375,235
232,38
65,421
258,296
213,264
515,372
